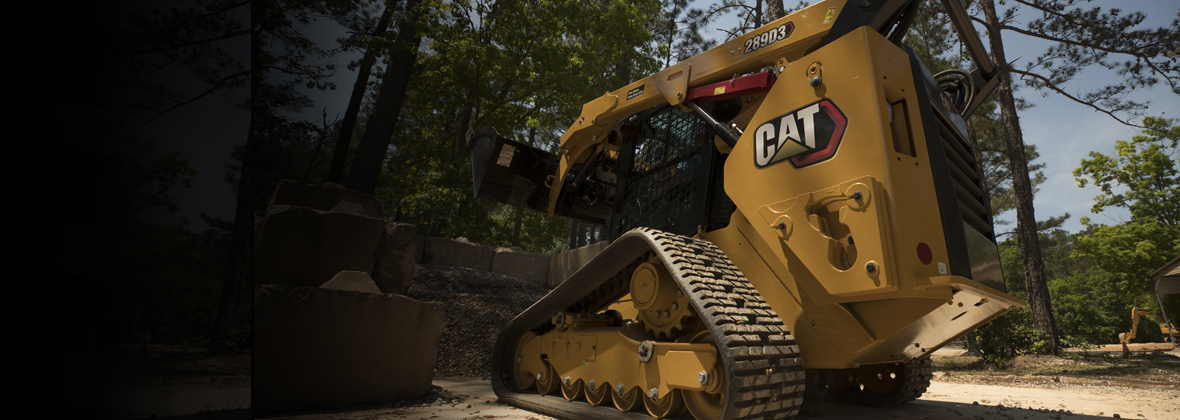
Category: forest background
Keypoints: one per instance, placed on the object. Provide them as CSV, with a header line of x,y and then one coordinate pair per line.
x,y
153,108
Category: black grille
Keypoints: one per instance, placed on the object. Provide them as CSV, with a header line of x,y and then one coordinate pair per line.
x,y
964,170
669,162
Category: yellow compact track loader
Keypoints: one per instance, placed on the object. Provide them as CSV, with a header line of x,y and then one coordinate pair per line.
x,y
796,213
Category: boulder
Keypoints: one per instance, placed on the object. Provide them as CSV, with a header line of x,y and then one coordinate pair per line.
x,y
443,251
527,266
316,347
356,281
565,264
396,254
351,208
300,246
322,197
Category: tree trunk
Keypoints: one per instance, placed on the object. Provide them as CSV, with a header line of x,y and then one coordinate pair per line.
x,y
775,10
238,268
340,156
1026,225
370,154
758,14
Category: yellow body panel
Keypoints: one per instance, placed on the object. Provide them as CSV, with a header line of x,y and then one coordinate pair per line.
x,y
839,312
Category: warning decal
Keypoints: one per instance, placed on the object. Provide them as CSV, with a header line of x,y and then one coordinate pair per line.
x,y
506,155
634,92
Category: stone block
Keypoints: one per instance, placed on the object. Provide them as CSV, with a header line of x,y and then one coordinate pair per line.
x,y
527,266
420,243
458,252
322,197
356,281
300,246
565,264
395,258
316,347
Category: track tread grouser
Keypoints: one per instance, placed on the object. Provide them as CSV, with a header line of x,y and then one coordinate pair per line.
x,y
764,371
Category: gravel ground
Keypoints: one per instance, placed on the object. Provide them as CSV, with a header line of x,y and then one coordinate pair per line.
x,y
476,305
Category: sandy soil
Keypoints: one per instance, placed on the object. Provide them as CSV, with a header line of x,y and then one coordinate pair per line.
x,y
472,398
192,387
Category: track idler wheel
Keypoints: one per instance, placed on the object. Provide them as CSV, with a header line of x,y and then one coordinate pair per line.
x,y
547,383
707,404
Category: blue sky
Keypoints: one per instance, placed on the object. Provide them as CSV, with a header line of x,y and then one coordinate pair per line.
x,y
1065,132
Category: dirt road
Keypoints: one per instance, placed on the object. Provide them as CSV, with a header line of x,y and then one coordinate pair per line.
x,y
461,398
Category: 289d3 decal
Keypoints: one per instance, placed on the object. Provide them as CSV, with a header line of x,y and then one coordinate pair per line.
x,y
804,136
769,37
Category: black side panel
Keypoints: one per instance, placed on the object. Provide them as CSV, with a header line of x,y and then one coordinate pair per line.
x,y
856,13
948,204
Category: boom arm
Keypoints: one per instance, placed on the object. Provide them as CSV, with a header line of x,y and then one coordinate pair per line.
x,y
775,44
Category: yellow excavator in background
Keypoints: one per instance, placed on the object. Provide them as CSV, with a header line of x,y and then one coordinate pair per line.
x,y
796,213
1125,338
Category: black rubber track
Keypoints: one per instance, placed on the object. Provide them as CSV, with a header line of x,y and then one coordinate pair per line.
x,y
765,377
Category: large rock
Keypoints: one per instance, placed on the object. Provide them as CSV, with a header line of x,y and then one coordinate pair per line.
x,y
396,254
443,251
355,281
322,197
565,264
300,246
316,347
527,266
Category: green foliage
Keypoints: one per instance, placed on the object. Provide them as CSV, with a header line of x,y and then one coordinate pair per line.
x,y
1142,178
1005,337
524,68
1088,307
1131,251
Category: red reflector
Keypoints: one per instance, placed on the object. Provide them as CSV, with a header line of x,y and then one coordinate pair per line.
x,y
924,253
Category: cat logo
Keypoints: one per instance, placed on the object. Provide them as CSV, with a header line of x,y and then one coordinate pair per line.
x,y
804,136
